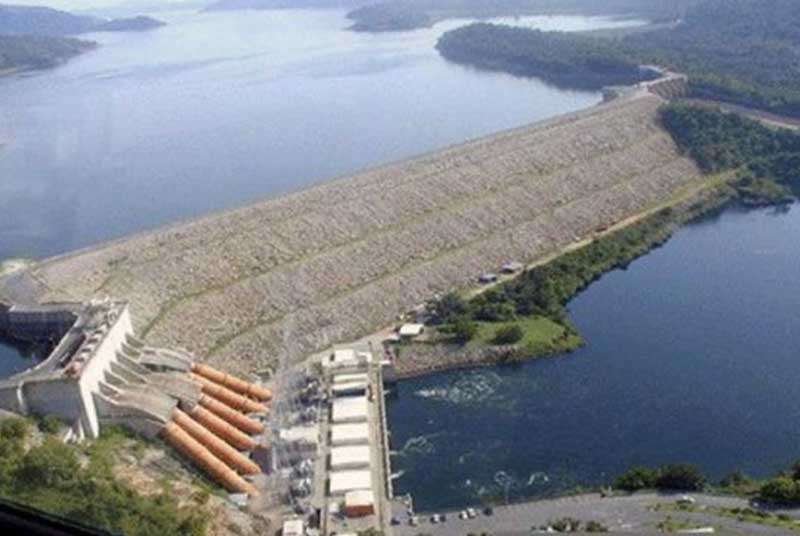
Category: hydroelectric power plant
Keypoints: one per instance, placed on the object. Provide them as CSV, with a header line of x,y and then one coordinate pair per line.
x,y
98,374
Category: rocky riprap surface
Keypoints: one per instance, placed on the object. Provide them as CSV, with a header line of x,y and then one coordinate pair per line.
x,y
291,275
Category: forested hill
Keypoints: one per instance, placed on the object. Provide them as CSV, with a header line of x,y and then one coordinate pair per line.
x,y
741,51
35,37
553,56
767,159
43,21
24,20
394,15
23,52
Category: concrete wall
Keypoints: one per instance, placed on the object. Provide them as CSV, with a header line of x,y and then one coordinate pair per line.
x,y
60,397
10,399
94,371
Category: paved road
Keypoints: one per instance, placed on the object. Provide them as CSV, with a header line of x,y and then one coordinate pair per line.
x,y
631,514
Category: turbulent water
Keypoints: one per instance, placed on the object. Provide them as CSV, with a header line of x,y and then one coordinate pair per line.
x,y
219,109
693,355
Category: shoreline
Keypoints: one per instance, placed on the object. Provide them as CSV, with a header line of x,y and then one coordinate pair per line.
x,y
432,358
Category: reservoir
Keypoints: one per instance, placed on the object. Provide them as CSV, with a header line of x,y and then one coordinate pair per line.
x,y
692,355
217,110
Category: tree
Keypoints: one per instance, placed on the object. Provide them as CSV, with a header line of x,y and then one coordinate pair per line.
x,y
508,334
781,490
464,330
637,478
50,465
447,308
736,478
683,477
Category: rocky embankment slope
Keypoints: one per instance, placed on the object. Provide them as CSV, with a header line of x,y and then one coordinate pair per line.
x,y
291,275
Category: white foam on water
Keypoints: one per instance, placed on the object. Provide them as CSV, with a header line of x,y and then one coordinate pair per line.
x,y
469,388
538,478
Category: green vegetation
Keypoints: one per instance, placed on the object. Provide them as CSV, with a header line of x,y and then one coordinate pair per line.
x,y
768,159
464,330
739,484
63,480
559,58
22,52
464,322
677,477
739,51
637,478
784,489
508,334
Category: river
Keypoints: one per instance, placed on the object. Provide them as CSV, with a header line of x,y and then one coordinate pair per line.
x,y
693,355
217,110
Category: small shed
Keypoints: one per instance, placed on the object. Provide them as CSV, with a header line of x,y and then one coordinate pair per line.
x,y
487,278
409,331
294,527
512,267
359,503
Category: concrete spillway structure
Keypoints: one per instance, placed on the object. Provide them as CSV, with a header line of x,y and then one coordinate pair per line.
x,y
99,374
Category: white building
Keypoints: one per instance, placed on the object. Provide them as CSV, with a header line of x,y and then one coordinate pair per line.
x,y
349,409
409,331
343,481
349,434
350,377
347,359
294,527
349,388
350,457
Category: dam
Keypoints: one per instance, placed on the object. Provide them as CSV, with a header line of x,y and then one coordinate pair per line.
x,y
286,277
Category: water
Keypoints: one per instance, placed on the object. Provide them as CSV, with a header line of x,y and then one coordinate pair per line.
x,y
219,109
693,356
15,359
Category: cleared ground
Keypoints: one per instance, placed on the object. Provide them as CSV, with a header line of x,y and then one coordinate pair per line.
x,y
289,276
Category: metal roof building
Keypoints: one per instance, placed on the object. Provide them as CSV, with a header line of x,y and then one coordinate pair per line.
x,y
350,457
343,481
350,409
349,434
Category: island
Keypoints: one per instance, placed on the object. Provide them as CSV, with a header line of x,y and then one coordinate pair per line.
x,y
23,20
34,38
134,24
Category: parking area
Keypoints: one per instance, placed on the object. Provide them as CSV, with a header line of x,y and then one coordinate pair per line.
x,y
636,514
